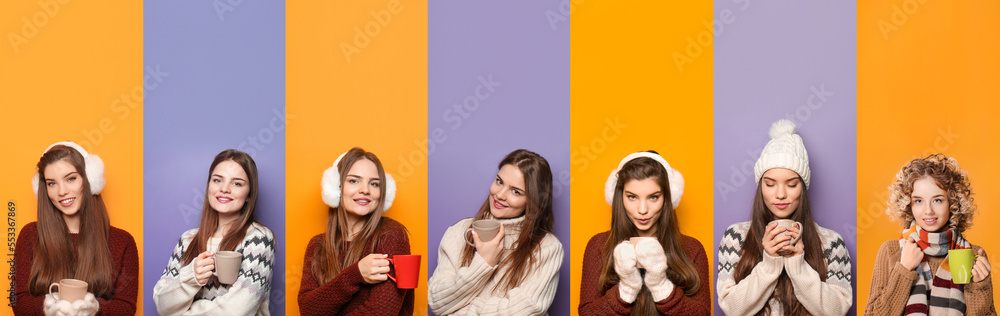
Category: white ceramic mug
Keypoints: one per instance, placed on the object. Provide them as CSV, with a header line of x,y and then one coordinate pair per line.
x,y
227,266
70,290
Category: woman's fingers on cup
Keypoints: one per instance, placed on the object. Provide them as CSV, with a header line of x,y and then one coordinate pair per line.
x,y
381,260
984,263
793,229
778,232
979,272
499,235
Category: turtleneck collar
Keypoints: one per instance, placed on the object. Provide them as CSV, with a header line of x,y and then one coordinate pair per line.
x,y
512,226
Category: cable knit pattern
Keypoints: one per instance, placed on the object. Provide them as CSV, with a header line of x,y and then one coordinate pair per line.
x,y
458,290
348,293
892,285
124,258
833,297
178,292
605,301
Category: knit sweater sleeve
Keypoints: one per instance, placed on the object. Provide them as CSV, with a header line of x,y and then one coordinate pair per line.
x,y
451,286
126,289
750,294
979,295
452,289
24,255
535,293
833,296
701,302
177,287
175,292
593,300
332,297
891,282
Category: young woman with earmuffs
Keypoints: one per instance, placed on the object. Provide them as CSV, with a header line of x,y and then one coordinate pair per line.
x,y
664,271
73,239
345,269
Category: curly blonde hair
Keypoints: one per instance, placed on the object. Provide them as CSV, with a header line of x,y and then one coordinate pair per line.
x,y
948,176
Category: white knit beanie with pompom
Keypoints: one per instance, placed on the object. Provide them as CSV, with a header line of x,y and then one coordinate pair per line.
x,y
784,150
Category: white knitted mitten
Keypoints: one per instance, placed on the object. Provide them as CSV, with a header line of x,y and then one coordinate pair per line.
x,y
631,280
58,307
650,254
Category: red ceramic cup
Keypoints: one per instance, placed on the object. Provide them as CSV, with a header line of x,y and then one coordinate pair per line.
x,y
407,270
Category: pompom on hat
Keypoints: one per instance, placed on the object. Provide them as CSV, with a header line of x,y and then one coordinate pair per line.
x,y
331,186
674,178
93,166
784,150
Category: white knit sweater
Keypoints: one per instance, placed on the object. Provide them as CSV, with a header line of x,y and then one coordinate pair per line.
x,y
178,292
457,290
833,297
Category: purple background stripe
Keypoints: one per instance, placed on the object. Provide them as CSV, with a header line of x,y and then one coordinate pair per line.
x,y
514,43
225,89
770,62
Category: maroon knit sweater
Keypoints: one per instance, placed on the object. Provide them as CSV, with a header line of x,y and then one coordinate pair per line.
x,y
124,258
594,301
348,293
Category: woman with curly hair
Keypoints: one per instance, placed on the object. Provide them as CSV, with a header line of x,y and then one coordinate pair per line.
x,y
932,199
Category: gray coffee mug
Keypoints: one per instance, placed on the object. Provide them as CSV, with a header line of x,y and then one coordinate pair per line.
x,y
485,228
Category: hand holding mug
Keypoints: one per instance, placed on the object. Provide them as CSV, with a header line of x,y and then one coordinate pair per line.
x,y
773,240
407,271
204,264
796,248
911,255
490,250
982,268
374,267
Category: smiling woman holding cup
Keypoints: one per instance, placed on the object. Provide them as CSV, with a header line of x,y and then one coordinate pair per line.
x,y
772,267
931,269
347,268
515,272
72,261
644,192
223,267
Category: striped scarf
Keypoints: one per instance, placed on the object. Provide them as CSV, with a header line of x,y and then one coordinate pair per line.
x,y
944,297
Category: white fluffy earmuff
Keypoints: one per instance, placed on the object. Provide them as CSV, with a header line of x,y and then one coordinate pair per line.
x,y
674,178
331,186
93,165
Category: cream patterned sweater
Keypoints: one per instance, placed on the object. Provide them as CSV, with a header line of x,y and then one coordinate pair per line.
x,y
178,292
457,290
833,297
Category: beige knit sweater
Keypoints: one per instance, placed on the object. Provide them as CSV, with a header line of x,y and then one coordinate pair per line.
x,y
891,284
457,290
831,297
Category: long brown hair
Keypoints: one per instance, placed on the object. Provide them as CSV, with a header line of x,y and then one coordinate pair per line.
x,y
681,270
325,264
210,217
57,259
538,218
753,250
